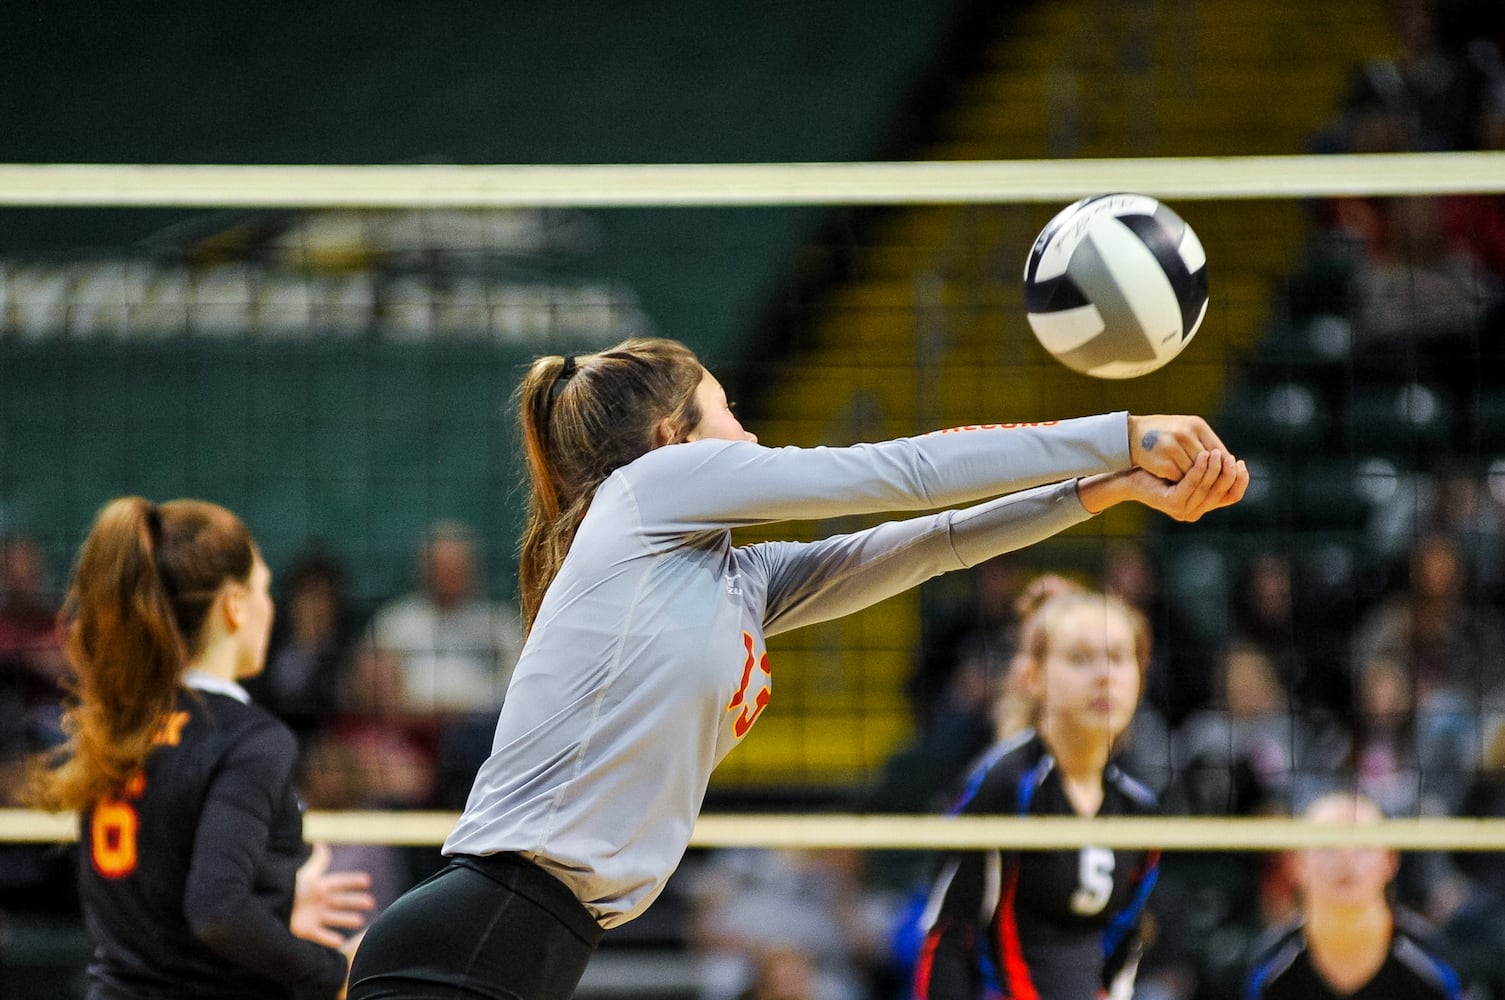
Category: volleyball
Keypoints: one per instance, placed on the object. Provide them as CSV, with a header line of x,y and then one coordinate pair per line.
x,y
1115,285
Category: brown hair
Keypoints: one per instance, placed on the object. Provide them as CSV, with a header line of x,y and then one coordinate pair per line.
x,y
583,418
142,588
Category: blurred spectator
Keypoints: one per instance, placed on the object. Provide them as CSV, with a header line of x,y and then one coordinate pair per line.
x,y
1454,502
1349,940
1412,760
1485,799
333,776
1301,646
455,648
1420,290
750,903
966,648
1478,221
1454,642
1431,83
454,651
783,974
1245,757
38,882
33,665
1178,680
397,753
309,645
1477,925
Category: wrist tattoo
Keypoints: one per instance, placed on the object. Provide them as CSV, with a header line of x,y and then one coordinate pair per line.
x,y
1149,441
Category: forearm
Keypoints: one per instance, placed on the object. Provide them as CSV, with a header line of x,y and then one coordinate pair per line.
x,y
224,910
1016,521
827,579
1097,493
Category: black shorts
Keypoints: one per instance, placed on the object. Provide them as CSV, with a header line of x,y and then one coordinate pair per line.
x,y
497,927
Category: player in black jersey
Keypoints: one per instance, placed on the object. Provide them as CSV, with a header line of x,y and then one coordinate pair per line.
x,y
193,869
1050,925
1350,942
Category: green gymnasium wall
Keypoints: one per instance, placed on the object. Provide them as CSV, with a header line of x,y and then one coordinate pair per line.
x,y
360,441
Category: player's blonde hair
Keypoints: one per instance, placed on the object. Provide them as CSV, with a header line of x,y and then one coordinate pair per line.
x,y
582,418
143,585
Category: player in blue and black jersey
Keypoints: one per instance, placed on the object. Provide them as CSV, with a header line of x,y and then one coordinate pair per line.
x,y
1350,941
1055,924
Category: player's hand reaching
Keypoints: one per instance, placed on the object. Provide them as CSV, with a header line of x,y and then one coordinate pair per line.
x,y
1215,479
325,903
1166,446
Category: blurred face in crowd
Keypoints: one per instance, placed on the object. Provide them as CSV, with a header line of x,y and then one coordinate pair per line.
x,y
1345,876
1436,569
1252,686
451,570
22,569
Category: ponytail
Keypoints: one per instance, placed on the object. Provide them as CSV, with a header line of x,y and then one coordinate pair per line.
x,y
142,587
582,418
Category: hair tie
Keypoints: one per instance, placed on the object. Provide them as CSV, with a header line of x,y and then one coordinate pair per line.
x,y
565,372
154,523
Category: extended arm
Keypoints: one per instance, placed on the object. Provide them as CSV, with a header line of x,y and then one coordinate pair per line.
x,y
712,484
817,581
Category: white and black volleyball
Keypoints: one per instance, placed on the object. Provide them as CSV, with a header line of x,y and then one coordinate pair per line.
x,y
1116,285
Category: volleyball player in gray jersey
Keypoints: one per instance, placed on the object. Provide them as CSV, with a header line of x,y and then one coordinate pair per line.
x,y
645,661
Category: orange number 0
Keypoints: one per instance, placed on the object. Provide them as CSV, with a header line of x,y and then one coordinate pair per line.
x,y
112,831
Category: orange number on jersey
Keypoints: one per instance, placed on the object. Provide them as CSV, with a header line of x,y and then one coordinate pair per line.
x,y
112,831
171,733
747,716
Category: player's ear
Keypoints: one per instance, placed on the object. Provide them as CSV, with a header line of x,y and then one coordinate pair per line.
x,y
664,432
232,604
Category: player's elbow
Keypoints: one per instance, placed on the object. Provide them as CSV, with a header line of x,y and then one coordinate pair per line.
x,y
213,922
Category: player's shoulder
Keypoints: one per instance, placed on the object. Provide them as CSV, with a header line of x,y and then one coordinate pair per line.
x,y
1271,955
994,781
221,716
1420,948
685,455
1135,797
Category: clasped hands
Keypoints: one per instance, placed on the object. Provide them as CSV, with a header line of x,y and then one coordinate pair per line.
x,y
1180,468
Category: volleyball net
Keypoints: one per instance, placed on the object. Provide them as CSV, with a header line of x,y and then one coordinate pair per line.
x,y
331,350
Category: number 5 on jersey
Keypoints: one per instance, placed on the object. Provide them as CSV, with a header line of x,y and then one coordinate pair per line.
x,y
1094,881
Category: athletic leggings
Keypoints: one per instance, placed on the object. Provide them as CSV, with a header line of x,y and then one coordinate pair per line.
x,y
497,927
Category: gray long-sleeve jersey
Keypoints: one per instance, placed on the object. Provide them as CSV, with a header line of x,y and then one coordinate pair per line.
x,y
646,663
